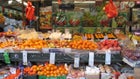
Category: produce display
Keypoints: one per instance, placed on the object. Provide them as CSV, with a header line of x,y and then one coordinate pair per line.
x,y
75,73
31,44
105,22
131,54
46,70
58,43
76,41
8,33
111,36
74,19
34,40
60,19
120,36
27,34
45,18
77,37
89,36
99,36
83,44
109,44
88,20
130,51
136,37
74,22
110,70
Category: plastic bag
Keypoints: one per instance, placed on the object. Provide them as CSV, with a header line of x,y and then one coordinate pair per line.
x,y
30,11
111,9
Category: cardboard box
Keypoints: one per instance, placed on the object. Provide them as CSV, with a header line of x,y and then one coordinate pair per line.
x,y
92,76
137,73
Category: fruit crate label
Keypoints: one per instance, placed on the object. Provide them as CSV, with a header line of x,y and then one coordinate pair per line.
x,y
52,58
108,57
91,59
25,60
76,61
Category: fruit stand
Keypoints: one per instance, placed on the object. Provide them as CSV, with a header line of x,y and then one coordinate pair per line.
x,y
84,43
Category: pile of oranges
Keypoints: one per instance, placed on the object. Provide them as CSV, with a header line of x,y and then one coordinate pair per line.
x,y
83,44
6,44
32,43
46,70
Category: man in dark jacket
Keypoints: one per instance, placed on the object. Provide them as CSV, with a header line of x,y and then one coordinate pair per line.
x,y
2,27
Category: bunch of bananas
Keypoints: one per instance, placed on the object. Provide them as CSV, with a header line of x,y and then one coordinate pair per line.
x,y
136,38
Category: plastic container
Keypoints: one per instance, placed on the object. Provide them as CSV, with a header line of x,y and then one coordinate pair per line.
x,y
92,76
42,77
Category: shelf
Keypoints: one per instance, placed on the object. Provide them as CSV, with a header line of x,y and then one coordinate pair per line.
x,y
85,2
78,2
131,63
61,57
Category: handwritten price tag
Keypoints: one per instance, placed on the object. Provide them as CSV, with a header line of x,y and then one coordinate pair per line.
x,y
52,58
91,59
24,56
76,61
108,57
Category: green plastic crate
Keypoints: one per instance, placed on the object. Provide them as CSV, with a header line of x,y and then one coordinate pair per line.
x,y
42,77
30,77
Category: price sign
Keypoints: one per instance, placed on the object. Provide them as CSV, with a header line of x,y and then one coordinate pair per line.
x,y
52,58
76,61
24,56
6,58
108,57
105,37
91,59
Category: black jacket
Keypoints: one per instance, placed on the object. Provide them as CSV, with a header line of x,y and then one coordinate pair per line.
x,y
2,27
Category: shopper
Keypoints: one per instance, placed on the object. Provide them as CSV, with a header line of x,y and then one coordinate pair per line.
x,y
1,27
9,27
